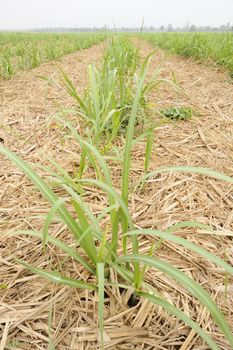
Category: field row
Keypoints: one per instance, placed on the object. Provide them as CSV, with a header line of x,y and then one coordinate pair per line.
x,y
19,51
215,47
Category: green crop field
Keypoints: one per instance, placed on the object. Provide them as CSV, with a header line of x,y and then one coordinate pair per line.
x,y
92,178
207,47
20,51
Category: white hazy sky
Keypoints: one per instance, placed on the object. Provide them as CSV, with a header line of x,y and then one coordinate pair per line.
x,y
23,14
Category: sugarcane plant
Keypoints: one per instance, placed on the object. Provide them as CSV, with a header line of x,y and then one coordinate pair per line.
x,y
107,249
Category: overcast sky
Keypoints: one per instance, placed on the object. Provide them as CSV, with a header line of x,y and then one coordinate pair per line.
x,y
23,14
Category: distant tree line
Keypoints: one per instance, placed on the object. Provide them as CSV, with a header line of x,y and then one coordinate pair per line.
x,y
72,29
191,28
169,28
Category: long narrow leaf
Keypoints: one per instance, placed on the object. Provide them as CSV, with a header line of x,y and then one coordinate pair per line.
x,y
188,283
100,274
49,219
64,247
127,160
57,278
187,169
49,195
185,243
172,310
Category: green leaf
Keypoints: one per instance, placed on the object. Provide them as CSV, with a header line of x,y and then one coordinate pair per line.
x,y
100,274
51,197
187,169
127,160
149,143
167,235
57,278
64,247
189,284
172,310
193,224
49,219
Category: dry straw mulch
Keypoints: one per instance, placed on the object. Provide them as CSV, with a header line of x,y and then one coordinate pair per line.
x,y
27,104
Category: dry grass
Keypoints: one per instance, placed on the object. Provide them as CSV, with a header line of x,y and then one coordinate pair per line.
x,y
206,140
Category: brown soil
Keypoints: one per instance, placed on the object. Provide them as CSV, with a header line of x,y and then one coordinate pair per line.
x,y
27,127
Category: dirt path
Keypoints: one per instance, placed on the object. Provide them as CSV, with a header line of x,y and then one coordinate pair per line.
x,y
26,102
